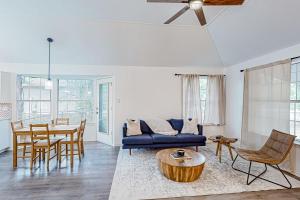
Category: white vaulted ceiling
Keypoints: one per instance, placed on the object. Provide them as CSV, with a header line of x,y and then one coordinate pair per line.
x,y
131,32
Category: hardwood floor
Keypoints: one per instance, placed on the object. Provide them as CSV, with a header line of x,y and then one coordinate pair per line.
x,y
90,179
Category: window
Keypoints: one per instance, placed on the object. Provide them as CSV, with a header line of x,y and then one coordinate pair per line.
x,y
295,99
75,99
33,100
203,88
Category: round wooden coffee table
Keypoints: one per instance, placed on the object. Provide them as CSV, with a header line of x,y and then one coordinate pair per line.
x,y
181,170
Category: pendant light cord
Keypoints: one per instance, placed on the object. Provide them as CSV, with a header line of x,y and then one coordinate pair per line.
x,y
49,40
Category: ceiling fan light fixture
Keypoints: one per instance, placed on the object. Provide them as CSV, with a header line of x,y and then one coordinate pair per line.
x,y
195,4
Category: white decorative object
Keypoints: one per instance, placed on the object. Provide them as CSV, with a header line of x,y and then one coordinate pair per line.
x,y
190,126
161,126
133,127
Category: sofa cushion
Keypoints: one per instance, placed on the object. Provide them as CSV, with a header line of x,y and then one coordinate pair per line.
x,y
177,124
145,128
191,138
138,139
164,139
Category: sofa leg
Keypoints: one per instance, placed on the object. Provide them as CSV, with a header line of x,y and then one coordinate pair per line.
x,y
130,152
196,148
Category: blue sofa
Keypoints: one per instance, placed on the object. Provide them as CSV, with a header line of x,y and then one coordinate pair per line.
x,y
149,139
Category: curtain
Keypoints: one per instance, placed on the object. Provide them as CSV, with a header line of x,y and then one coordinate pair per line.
x,y
215,100
191,97
266,103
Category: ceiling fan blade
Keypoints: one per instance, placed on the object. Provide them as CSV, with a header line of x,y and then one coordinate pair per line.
x,y
201,16
167,1
222,2
178,14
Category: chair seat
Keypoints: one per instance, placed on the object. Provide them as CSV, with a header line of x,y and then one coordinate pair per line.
x,y
256,156
44,143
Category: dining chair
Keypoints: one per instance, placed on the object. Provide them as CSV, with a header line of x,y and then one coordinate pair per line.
x,y
41,143
77,140
81,130
273,153
24,140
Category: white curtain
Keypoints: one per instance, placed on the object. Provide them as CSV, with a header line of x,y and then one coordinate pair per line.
x,y
191,97
266,102
215,100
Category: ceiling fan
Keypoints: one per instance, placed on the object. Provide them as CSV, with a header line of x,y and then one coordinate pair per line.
x,y
196,5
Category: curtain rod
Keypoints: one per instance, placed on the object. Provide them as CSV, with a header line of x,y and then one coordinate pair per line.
x,y
242,70
197,74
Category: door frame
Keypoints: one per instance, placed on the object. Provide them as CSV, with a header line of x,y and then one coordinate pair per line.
x,y
104,137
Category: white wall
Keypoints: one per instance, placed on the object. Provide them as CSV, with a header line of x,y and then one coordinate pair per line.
x,y
140,92
234,90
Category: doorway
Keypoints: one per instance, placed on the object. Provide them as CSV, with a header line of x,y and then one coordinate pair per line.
x,y
104,110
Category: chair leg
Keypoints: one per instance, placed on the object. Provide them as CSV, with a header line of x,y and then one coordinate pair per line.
x,y
31,159
24,151
130,152
259,176
67,150
79,151
82,148
48,158
196,148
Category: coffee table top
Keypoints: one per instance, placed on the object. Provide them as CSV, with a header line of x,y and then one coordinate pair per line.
x,y
222,139
196,158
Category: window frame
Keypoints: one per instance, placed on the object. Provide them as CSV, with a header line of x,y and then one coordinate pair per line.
x,y
30,101
295,101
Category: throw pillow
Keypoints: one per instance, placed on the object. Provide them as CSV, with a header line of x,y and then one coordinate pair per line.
x,y
161,126
190,126
133,127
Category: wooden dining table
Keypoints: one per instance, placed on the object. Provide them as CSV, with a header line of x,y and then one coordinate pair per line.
x,y
69,130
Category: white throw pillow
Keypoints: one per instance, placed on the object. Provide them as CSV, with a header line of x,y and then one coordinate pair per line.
x,y
133,127
161,126
190,126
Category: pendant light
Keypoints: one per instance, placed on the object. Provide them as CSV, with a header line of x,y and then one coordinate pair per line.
x,y
48,82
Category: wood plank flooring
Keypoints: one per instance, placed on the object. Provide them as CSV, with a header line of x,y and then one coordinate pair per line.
x,y
90,179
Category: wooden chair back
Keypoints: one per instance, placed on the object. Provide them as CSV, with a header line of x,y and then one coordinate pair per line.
x,y
81,129
39,132
16,125
62,121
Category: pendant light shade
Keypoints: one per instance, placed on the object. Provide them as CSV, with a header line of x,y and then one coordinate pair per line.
x,y
48,82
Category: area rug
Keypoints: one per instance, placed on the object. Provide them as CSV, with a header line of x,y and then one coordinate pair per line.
x,y
138,177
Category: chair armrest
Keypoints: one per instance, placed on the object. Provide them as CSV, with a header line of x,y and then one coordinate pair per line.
x,y
125,130
200,129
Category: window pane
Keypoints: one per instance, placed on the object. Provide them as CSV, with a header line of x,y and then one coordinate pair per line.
x,y
30,93
293,91
75,99
293,77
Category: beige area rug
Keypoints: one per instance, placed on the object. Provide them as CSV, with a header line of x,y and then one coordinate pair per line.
x,y
138,177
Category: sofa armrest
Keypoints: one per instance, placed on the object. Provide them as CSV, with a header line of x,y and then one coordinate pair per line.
x,y
200,129
125,130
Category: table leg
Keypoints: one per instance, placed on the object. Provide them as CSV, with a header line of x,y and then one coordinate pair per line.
x,y
220,152
15,151
230,151
72,149
218,146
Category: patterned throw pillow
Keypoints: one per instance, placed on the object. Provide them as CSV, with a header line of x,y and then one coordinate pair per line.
x,y
190,126
133,127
